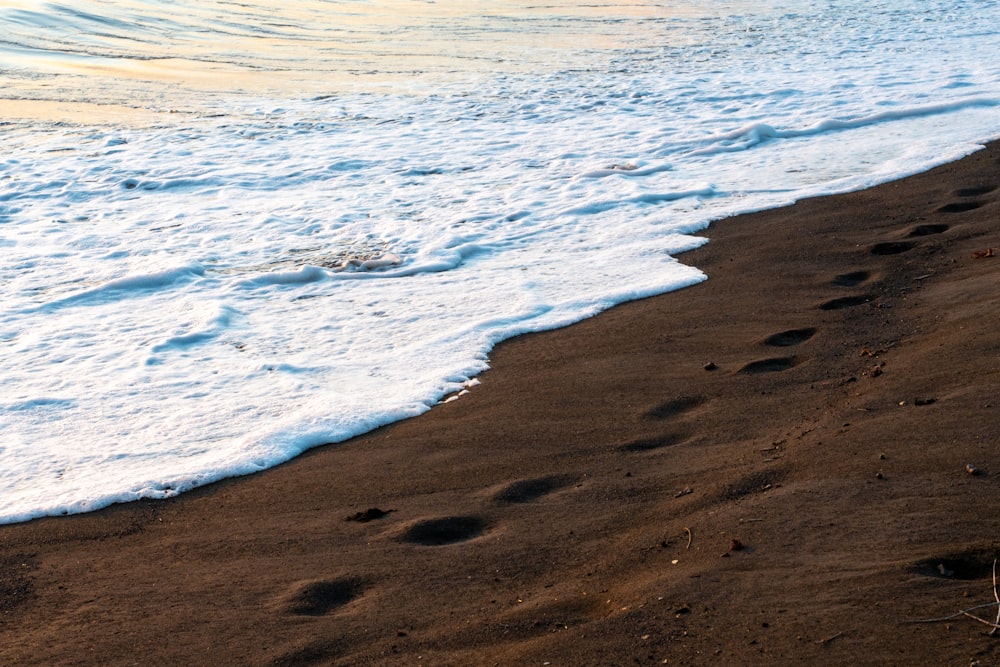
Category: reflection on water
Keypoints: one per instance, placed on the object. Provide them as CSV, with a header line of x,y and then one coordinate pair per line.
x,y
161,54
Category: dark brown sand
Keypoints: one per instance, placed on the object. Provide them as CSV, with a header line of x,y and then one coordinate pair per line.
x,y
767,468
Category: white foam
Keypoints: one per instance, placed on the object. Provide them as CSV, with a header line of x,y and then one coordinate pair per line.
x,y
207,293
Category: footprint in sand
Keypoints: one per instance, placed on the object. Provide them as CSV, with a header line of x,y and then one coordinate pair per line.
x,y
790,338
446,530
975,191
892,248
927,230
845,302
960,207
772,365
675,407
968,565
527,490
653,443
851,279
317,598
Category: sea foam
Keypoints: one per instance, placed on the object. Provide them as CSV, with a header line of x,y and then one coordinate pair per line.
x,y
216,255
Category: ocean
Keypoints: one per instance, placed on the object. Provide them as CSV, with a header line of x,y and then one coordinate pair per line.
x,y
230,232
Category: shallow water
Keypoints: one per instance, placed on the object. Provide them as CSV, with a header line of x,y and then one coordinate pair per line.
x,y
230,232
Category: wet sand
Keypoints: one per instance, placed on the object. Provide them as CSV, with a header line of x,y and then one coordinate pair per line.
x,y
772,467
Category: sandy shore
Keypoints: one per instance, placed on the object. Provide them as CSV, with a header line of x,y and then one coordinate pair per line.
x,y
767,468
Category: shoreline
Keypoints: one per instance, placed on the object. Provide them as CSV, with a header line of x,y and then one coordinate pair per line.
x,y
764,468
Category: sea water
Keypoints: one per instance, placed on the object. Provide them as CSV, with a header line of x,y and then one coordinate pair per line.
x,y
232,232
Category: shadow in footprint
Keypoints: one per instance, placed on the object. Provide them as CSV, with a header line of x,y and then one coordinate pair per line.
x,y
527,490
927,230
975,191
960,207
656,442
851,279
448,530
772,365
977,564
790,337
675,407
316,598
892,248
845,302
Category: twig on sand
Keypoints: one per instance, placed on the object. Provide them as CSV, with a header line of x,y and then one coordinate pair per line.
x,y
963,612
996,596
690,537
983,621
829,639
994,625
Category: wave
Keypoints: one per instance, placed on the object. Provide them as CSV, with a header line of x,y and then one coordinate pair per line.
x,y
127,286
750,136
380,267
591,208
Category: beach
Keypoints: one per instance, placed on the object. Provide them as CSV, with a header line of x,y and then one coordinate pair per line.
x,y
793,462
220,252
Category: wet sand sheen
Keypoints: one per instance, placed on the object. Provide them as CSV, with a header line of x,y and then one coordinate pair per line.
x,y
739,472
